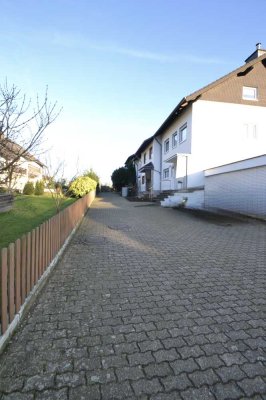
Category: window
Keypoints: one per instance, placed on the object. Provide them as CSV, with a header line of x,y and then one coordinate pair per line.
x,y
166,173
150,153
174,139
143,179
250,93
144,158
250,131
183,133
166,146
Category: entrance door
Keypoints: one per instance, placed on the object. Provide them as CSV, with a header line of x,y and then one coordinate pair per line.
x,y
148,181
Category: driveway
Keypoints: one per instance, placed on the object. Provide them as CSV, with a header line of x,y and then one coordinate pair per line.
x,y
147,303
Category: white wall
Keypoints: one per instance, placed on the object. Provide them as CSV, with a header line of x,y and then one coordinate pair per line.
x,y
224,132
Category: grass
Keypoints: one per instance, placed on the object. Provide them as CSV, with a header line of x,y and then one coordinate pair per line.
x,y
28,212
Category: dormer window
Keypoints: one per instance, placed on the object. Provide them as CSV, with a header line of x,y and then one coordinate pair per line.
x,y
250,93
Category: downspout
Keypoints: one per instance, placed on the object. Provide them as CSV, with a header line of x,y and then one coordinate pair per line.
x,y
160,144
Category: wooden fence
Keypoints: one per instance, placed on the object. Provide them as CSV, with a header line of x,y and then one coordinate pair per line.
x,y
25,261
6,202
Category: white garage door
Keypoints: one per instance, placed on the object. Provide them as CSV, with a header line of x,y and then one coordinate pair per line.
x,y
241,191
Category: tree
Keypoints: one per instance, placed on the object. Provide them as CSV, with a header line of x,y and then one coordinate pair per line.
x,y
92,174
22,129
54,182
124,176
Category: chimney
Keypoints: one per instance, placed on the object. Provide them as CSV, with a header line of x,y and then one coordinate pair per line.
x,y
257,53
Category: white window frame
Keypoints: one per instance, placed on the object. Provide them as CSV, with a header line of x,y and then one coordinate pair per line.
x,y
150,152
174,139
250,93
144,158
166,173
166,144
181,130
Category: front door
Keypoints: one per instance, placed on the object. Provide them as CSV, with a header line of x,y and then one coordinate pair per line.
x,y
148,181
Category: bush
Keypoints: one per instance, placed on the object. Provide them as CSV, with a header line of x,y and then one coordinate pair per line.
x,y
39,188
28,188
81,186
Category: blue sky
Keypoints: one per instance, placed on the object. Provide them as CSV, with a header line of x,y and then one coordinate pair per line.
x,y
119,67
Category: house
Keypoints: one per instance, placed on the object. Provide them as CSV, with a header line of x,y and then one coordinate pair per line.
x,y
221,123
147,160
26,168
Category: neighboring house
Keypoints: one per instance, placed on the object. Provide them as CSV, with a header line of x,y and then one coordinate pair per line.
x,y
148,167
222,123
27,167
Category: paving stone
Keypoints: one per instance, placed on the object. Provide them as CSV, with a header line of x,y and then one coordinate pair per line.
x,y
227,391
18,396
11,384
132,373
202,393
206,377
39,382
129,306
190,351
100,376
145,386
102,350
252,370
253,386
87,364
230,373
159,370
209,362
166,355
59,366
114,361
70,379
119,391
166,396
152,345
60,394
179,382
233,358
141,358
188,365
85,393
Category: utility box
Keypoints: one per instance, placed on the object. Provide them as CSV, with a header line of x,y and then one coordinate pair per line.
x,y
124,191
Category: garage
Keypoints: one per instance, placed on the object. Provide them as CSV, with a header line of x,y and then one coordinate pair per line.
x,y
239,187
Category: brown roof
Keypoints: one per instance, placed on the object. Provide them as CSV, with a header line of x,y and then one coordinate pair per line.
x,y
8,148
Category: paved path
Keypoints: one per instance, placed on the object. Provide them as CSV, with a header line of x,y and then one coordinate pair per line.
x,y
147,303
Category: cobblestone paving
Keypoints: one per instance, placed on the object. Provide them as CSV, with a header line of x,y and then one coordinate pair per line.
x,y
147,303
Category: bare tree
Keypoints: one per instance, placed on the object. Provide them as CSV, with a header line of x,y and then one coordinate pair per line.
x,y
54,179
22,129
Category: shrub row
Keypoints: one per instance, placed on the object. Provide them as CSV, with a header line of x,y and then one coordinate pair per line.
x,y
30,189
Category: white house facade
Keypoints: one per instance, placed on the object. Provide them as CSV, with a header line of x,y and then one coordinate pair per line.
x,y
147,160
26,168
222,123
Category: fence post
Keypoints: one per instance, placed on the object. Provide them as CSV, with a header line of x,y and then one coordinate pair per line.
x,y
4,302
11,279
23,267
28,262
18,274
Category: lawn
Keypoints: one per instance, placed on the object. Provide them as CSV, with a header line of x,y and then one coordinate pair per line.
x,y
28,212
